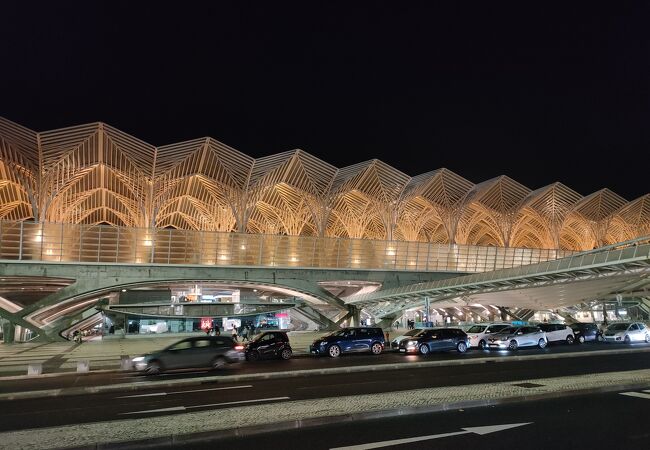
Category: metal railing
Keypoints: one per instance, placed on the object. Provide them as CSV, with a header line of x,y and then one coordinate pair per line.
x,y
633,251
59,242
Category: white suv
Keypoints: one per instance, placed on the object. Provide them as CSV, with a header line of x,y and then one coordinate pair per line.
x,y
477,335
557,332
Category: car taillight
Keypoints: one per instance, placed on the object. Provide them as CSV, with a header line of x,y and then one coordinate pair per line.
x,y
239,347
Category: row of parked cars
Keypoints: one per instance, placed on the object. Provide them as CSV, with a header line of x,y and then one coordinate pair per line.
x,y
218,351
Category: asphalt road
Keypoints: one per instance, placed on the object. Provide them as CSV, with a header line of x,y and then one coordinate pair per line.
x,y
54,411
600,421
298,363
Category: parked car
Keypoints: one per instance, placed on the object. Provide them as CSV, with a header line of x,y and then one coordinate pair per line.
x,y
557,332
627,332
395,342
269,344
477,334
512,338
586,332
195,352
436,340
346,340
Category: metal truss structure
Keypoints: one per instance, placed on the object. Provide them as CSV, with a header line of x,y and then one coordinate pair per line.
x,y
95,174
622,269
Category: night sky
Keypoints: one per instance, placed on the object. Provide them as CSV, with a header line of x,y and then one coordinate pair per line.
x,y
538,92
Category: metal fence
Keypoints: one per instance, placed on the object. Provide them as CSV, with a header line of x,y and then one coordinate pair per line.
x,y
59,242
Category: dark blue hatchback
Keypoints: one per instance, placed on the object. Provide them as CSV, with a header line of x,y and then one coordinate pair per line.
x,y
348,340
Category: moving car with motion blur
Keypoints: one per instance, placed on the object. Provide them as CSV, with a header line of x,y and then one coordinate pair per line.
x,y
512,338
437,340
627,332
349,340
585,332
270,344
477,334
213,352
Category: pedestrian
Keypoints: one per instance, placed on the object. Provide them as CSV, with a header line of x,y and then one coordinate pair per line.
x,y
217,331
252,329
234,332
244,333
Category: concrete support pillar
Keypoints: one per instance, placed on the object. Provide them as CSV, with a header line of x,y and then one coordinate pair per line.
x,y
355,316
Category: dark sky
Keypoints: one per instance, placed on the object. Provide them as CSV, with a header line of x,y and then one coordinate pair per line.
x,y
538,91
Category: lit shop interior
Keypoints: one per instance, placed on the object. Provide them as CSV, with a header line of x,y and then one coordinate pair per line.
x,y
194,307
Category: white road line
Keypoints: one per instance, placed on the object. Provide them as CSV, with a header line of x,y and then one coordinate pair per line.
x,y
175,408
184,408
636,394
271,399
158,394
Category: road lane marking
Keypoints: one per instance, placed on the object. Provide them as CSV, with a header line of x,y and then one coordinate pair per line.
x,y
477,430
159,394
271,399
636,394
185,408
175,408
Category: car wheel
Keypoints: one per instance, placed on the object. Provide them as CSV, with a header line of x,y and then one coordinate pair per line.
x,y
153,368
647,338
219,363
627,339
461,347
285,354
581,339
570,339
513,345
253,355
482,345
376,348
542,343
424,349
334,351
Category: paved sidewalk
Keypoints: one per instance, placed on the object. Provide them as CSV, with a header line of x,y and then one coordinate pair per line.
x,y
62,357
204,426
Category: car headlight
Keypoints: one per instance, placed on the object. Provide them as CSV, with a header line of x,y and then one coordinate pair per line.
x,y
411,343
138,359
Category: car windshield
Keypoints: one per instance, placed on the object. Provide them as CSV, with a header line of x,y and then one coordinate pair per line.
x,y
618,327
412,332
509,330
336,333
477,329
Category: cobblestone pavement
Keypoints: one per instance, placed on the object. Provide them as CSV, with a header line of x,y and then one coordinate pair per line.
x,y
297,413
102,354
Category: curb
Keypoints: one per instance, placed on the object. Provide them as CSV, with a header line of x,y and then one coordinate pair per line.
x,y
203,438
136,386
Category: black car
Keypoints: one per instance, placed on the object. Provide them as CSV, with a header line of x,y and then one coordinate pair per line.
x,y
194,352
586,332
437,340
348,340
270,344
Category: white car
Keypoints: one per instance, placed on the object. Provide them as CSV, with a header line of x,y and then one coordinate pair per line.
x,y
512,338
627,332
557,332
478,334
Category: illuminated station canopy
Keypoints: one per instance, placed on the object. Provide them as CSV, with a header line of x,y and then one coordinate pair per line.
x,y
96,174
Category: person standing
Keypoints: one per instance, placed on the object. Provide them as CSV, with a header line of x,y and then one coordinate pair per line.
x,y
234,332
244,333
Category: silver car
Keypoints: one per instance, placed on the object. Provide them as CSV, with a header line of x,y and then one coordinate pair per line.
x,y
627,332
512,338
195,352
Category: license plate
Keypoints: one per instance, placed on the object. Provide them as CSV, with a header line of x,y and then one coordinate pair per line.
x,y
402,349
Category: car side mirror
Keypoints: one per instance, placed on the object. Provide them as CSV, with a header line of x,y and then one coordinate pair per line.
x,y
520,332
487,331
